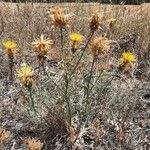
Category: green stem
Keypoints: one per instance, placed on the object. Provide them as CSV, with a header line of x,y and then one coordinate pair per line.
x,y
11,65
67,100
95,82
31,99
104,89
83,50
61,38
44,69
88,86
101,93
61,42
39,67
87,95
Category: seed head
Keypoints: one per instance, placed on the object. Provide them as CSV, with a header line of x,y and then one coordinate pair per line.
x,y
99,46
95,21
42,46
59,18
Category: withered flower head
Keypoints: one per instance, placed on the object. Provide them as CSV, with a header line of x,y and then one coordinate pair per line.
x,y
10,47
95,21
100,46
42,46
25,74
59,18
34,144
4,135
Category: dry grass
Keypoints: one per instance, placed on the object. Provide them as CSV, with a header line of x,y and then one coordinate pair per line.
x,y
27,21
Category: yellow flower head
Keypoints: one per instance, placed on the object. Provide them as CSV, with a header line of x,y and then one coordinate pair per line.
x,y
126,61
25,74
112,20
34,144
10,47
25,71
4,135
42,46
100,46
127,57
76,37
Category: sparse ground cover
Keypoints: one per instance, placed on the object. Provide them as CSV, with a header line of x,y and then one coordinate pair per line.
x,y
74,76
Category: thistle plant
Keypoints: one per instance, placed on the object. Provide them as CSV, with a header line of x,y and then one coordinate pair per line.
x,y
10,50
80,93
99,46
76,38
